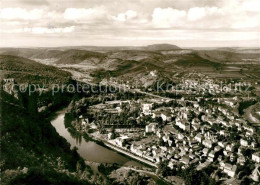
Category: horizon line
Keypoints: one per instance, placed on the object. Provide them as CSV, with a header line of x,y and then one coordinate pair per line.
x,y
127,46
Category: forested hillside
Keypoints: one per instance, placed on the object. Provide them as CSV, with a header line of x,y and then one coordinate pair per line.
x,y
25,70
32,152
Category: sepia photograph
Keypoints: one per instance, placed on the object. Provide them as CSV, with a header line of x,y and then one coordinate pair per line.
x,y
129,92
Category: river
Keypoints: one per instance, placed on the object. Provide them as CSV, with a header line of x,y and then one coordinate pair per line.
x,y
89,150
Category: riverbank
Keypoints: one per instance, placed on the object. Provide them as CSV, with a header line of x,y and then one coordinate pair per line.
x,y
92,137
129,154
151,174
108,145
92,152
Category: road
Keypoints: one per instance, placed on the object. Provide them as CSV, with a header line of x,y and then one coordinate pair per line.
x,y
135,90
150,174
250,117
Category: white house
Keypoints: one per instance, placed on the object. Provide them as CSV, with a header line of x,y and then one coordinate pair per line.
x,y
222,144
183,125
223,133
241,160
228,169
230,147
217,148
147,108
180,136
156,114
198,137
185,160
212,153
253,144
256,157
121,140
255,174
207,143
151,128
243,142
166,116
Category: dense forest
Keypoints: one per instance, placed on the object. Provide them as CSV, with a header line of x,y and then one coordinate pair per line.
x,y
32,152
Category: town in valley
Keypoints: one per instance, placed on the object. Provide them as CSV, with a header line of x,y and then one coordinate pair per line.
x,y
130,92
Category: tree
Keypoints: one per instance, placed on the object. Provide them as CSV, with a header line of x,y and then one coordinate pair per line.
x,y
162,168
161,142
247,152
160,121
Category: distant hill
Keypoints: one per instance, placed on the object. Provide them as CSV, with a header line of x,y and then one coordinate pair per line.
x,y
41,53
59,56
136,61
25,70
74,56
160,47
230,55
77,55
194,60
161,57
138,64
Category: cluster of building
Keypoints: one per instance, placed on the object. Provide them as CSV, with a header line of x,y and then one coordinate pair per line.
x,y
201,130
200,84
195,134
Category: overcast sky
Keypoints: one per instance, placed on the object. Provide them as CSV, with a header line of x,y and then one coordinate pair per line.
x,y
186,23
